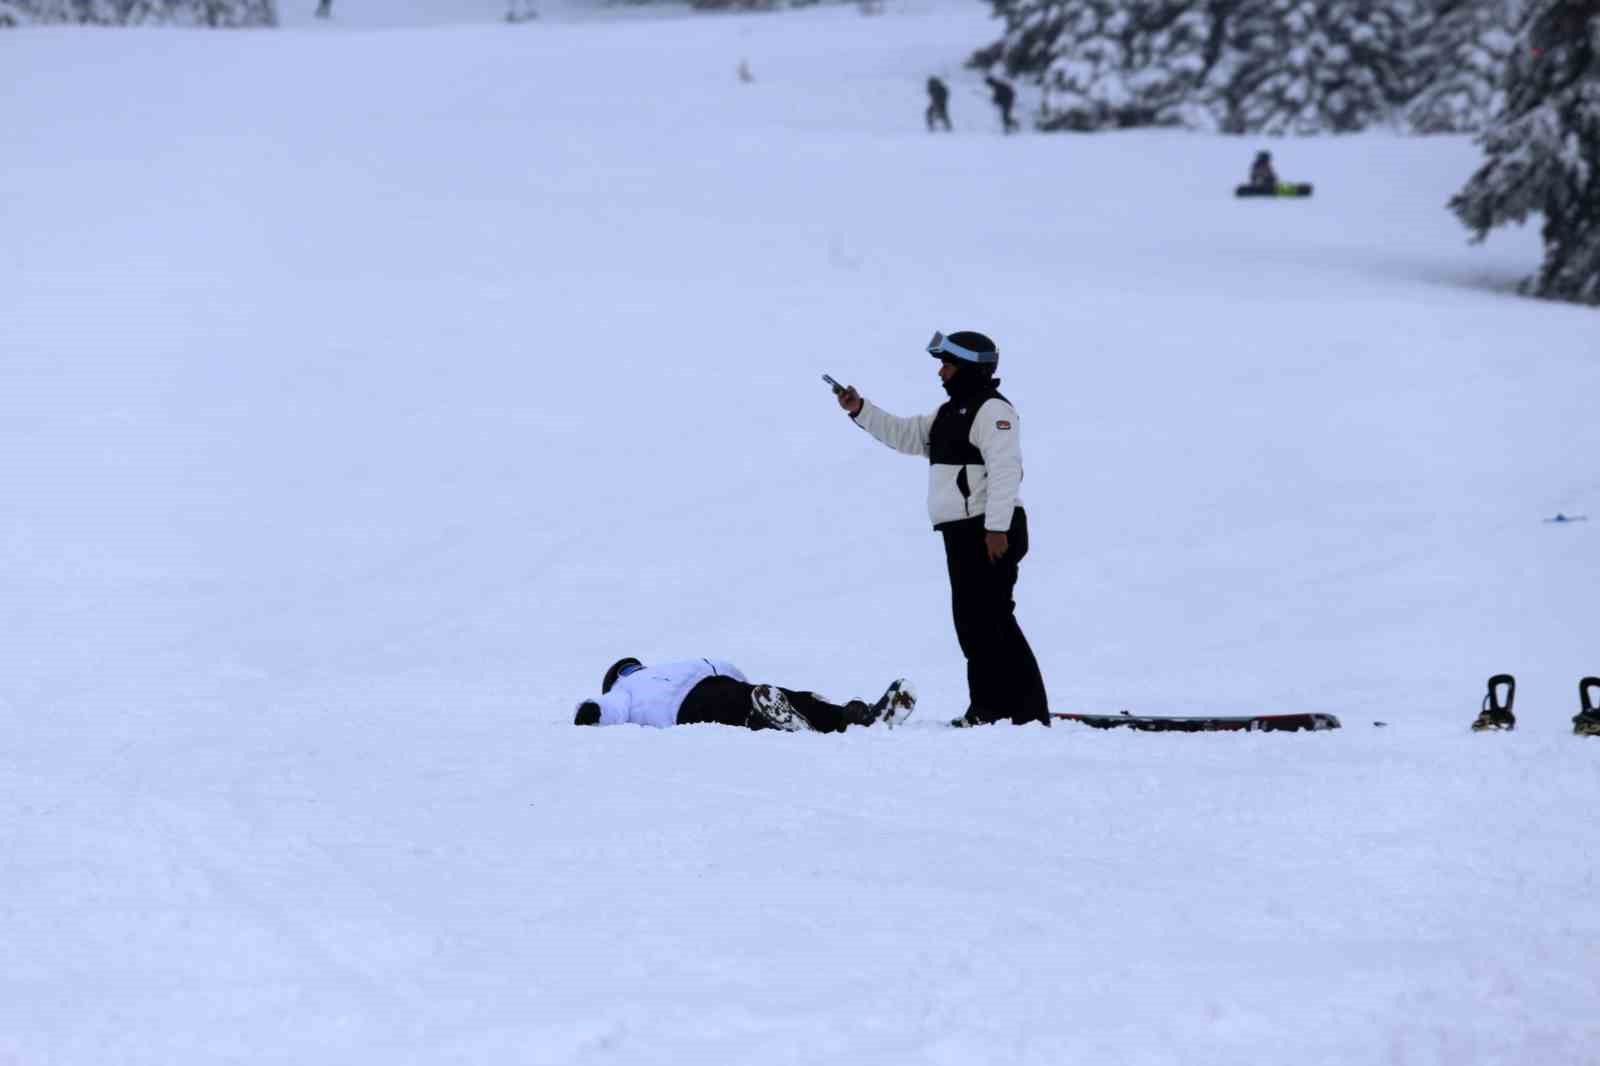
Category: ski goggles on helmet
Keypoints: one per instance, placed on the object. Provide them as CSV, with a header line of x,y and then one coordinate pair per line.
x,y
942,347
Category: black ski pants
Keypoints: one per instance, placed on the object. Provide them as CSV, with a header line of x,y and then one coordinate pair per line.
x,y
724,701
1003,680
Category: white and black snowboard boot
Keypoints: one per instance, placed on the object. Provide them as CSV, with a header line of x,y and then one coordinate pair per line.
x,y
1586,723
892,708
771,709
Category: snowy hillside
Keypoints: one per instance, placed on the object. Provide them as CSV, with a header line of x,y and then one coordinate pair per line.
x,y
367,387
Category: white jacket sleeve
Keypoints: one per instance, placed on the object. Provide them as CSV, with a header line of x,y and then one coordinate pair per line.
x,y
997,433
908,435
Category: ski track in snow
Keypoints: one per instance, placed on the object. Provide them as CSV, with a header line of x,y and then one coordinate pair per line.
x,y
367,387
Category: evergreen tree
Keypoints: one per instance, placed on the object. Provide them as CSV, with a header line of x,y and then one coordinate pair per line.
x,y
1033,35
1461,51
156,12
1246,66
1543,149
1304,66
1131,64
1114,62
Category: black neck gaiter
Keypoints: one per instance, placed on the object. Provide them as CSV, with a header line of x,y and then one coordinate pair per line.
x,y
969,381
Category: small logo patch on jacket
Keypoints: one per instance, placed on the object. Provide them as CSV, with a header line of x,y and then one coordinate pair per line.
x,y
1002,424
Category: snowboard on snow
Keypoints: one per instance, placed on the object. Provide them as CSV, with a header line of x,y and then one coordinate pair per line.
x,y
1282,189
1250,723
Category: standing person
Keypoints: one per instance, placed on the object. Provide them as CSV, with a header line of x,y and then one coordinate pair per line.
x,y
975,469
714,691
938,99
1004,96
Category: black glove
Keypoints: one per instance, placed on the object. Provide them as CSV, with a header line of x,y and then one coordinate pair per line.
x,y
588,713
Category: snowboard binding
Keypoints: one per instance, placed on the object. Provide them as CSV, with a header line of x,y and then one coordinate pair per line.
x,y
1586,723
1496,713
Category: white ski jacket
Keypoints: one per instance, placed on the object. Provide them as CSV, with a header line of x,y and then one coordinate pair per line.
x,y
978,474
653,695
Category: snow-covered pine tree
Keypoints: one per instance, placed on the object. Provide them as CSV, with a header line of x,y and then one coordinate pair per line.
x,y
1033,29
163,12
68,11
1125,64
1114,62
1543,149
1460,53
746,5
50,11
1315,66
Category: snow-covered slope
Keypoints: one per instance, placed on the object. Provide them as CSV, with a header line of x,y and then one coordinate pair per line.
x,y
364,394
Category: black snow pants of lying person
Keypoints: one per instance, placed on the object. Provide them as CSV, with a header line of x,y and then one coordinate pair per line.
x,y
724,701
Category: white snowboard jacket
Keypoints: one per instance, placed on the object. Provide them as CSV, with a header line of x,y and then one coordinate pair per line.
x,y
974,451
653,695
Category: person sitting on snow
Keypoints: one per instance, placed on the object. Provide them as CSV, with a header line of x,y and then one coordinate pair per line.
x,y
1262,176
695,691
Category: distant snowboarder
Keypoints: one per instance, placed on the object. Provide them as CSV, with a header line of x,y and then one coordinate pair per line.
x,y
1004,96
938,101
1262,176
1264,181
714,691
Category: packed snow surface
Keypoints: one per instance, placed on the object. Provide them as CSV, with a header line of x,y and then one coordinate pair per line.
x,y
367,387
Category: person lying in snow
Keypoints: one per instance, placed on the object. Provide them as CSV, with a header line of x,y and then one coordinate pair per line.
x,y
1262,176
696,691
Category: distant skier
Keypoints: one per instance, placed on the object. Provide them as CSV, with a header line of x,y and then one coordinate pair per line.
x,y
1004,96
714,691
1262,176
938,101
974,454
744,72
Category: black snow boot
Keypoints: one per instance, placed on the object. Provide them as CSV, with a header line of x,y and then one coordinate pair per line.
x,y
891,708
